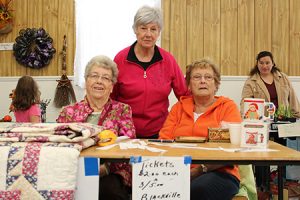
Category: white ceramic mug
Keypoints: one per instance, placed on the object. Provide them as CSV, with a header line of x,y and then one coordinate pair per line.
x,y
254,109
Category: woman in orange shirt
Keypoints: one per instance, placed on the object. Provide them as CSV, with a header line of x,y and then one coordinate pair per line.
x,y
192,116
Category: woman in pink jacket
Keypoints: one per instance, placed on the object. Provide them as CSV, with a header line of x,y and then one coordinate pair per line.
x,y
147,74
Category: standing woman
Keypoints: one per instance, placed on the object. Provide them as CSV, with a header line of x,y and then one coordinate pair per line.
x,y
267,82
147,74
26,99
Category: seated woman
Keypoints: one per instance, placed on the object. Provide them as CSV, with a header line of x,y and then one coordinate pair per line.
x,y
192,116
97,108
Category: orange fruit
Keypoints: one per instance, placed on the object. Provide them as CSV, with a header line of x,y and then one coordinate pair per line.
x,y
7,118
106,137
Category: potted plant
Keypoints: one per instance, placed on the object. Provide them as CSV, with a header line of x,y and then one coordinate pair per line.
x,y
284,113
5,16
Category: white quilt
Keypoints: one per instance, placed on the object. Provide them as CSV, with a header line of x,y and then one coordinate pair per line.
x,y
32,166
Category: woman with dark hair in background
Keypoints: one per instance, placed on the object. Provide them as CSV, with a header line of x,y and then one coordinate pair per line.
x,y
267,82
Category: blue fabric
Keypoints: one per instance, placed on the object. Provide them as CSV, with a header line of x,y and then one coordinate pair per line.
x,y
214,186
187,160
135,159
91,167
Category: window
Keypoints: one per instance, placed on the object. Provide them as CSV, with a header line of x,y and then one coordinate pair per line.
x,y
103,27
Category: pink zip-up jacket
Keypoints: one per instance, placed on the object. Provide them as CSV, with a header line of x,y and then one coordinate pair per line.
x,y
147,91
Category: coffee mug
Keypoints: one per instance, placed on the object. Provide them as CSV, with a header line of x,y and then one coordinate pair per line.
x,y
254,109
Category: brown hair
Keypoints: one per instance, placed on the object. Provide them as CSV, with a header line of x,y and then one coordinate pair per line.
x,y
203,64
260,55
26,94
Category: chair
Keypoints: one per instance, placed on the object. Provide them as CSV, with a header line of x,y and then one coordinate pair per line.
x,y
247,184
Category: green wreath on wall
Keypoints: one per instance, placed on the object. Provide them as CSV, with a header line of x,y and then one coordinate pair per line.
x,y
33,48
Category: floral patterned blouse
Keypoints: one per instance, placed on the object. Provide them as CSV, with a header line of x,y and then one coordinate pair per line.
x,y
118,119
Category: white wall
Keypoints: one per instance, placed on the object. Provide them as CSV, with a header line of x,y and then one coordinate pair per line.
x,y
231,86
47,86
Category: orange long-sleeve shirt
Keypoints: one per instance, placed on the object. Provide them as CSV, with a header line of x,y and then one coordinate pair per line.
x,y
180,121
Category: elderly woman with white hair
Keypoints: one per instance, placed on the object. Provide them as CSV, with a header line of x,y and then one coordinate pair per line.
x,y
192,116
98,108
147,75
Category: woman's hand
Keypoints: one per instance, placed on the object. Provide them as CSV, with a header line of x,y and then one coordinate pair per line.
x,y
196,171
104,170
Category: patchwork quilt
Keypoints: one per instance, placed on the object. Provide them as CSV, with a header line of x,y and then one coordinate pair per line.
x,y
39,161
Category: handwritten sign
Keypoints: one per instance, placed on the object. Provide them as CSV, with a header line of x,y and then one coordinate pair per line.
x,y
156,178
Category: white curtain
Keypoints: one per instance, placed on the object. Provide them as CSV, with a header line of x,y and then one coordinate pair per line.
x,y
103,27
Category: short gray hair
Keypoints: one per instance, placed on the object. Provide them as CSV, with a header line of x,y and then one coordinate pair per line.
x,y
146,15
104,62
204,63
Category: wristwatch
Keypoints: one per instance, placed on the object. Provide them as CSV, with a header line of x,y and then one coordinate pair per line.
x,y
204,168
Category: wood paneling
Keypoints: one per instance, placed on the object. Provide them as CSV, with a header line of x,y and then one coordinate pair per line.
x,y
294,40
195,30
65,17
280,33
245,37
165,35
20,22
228,37
57,18
263,22
178,31
212,30
230,32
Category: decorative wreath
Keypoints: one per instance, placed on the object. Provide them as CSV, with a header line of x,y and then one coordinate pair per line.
x,y
33,48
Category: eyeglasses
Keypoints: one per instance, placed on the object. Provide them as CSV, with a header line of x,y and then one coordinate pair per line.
x,y
206,77
103,78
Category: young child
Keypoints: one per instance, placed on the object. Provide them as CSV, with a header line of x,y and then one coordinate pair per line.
x,y
25,101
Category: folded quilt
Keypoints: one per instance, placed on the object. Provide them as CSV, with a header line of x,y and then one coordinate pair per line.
x,y
40,161
34,170
81,133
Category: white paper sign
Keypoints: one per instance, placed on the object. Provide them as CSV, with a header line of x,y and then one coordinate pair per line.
x,y
87,179
289,130
160,178
6,46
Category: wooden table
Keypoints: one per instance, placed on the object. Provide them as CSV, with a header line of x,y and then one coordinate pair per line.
x,y
284,156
